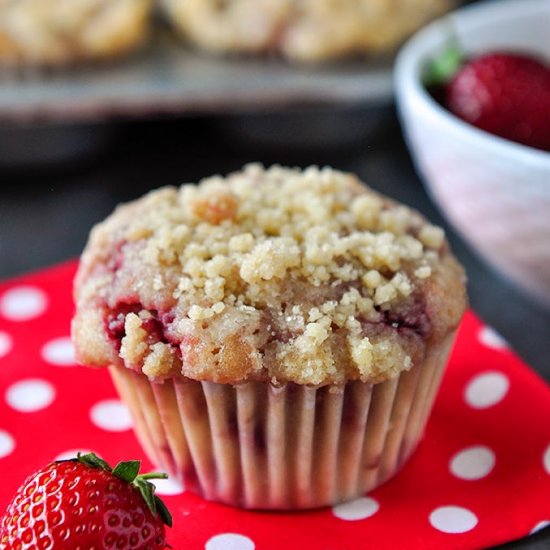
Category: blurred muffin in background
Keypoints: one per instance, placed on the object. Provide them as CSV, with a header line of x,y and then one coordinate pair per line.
x,y
304,30
53,32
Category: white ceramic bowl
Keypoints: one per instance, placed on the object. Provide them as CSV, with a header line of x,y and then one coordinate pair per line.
x,y
495,192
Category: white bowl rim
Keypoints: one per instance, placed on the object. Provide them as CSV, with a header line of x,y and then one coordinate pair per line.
x,y
407,77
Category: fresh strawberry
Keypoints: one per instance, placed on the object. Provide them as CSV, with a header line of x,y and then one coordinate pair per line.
x,y
505,94
84,504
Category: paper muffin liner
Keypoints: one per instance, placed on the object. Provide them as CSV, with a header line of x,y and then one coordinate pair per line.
x,y
255,445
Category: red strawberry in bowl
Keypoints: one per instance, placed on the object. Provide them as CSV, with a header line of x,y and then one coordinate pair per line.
x,y
84,504
505,94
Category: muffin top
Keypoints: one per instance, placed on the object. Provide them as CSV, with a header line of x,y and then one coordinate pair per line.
x,y
279,275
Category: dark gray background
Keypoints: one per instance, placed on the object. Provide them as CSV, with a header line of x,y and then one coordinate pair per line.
x,y
48,208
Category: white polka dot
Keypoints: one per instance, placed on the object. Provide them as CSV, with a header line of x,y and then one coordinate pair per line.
x,y
59,352
489,337
486,390
546,460
30,395
473,463
111,415
7,444
67,455
5,343
22,303
229,541
360,508
453,519
539,526
168,486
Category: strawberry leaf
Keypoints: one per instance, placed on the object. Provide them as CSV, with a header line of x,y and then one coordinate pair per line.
x,y
440,69
91,459
163,512
155,504
127,471
147,491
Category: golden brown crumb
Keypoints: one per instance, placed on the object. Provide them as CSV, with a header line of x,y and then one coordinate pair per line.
x,y
216,208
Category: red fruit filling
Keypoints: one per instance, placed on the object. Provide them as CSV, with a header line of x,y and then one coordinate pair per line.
x,y
156,325
410,321
413,318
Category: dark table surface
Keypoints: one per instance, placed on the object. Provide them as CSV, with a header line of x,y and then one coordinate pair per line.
x,y
47,210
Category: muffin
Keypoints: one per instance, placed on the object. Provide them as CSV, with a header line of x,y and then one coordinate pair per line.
x,y
278,336
310,30
53,32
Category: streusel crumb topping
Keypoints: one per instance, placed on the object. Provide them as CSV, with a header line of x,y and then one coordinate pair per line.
x,y
279,274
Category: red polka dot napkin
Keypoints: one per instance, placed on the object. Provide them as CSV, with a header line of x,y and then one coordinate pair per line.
x,y
480,477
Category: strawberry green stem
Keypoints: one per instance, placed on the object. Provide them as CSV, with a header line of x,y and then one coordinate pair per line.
x,y
439,70
154,475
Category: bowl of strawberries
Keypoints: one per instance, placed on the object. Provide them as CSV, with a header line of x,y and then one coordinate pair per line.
x,y
473,94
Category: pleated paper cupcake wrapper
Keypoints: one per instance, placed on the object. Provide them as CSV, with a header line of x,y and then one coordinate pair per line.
x,y
259,446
